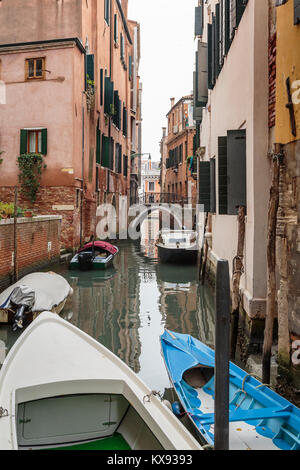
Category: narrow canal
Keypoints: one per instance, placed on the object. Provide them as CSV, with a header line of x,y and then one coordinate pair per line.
x,y
126,308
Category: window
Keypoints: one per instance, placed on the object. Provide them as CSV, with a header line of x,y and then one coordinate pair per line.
x,y
35,69
90,69
151,186
33,141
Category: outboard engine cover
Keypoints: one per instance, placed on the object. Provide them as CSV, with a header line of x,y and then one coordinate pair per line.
x,y
85,260
23,298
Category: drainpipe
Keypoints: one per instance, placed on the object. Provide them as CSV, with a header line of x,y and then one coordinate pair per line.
x,y
82,170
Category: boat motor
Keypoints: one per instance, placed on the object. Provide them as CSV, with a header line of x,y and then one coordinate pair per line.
x,y
85,260
22,298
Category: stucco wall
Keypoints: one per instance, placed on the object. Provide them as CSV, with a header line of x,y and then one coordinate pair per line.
x,y
40,104
41,19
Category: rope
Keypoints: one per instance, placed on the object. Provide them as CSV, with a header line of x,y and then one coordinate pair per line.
x,y
3,412
235,270
147,398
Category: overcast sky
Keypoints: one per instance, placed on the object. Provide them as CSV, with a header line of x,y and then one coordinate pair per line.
x,y
167,60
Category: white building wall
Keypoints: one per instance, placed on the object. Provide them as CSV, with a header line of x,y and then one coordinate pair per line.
x,y
239,100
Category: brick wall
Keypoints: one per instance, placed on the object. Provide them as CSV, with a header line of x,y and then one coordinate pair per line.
x,y
34,251
272,80
60,201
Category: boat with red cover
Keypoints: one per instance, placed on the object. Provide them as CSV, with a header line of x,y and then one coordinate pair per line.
x,y
94,255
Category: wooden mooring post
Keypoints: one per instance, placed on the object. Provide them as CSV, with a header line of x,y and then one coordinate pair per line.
x,y
222,350
271,269
237,271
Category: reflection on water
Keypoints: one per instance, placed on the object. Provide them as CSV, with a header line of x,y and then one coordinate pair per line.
x,y
127,307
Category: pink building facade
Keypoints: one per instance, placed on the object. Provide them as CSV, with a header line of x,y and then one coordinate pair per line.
x,y
68,97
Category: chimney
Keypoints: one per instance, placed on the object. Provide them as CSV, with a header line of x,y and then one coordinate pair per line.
x,y
125,8
172,102
164,129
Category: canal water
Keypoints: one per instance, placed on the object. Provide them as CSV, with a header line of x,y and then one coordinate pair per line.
x,y
127,307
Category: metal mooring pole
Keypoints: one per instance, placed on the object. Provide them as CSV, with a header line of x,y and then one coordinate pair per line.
x,y
15,275
222,354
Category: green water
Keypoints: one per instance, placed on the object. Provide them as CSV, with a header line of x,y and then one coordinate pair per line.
x,y
126,308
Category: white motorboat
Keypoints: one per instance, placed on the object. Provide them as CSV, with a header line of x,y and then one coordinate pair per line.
x,y
177,246
23,301
60,388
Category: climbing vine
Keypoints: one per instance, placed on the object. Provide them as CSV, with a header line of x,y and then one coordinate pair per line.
x,y
31,166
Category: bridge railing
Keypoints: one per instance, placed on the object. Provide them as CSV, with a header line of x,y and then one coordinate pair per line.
x,y
162,198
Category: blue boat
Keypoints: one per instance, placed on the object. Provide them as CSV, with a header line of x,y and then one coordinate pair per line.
x,y
260,419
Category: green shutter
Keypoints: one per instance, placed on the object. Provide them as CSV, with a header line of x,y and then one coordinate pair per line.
x,y
130,67
236,170
111,153
98,146
107,11
125,165
213,185
217,40
85,73
105,151
97,178
101,87
204,185
116,28
117,106
240,8
23,141
199,21
124,121
227,26
44,141
108,95
210,57
222,170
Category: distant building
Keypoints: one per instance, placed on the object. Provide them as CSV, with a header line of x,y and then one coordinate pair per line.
x,y
150,186
179,163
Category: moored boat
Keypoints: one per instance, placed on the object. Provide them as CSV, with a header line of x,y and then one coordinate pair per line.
x,y
260,419
60,388
94,255
23,301
177,246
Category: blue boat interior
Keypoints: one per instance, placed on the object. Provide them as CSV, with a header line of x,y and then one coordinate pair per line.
x,y
190,365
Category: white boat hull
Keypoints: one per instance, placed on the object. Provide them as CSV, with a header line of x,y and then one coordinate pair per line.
x,y
53,360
